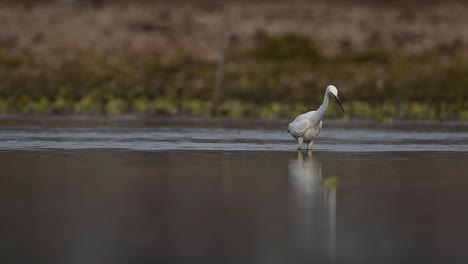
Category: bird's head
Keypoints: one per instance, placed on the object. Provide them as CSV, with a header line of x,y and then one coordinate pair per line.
x,y
331,89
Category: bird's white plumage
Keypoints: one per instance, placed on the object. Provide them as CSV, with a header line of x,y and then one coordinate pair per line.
x,y
306,127
332,89
298,127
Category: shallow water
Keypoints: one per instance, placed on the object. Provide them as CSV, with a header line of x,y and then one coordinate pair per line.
x,y
231,193
159,135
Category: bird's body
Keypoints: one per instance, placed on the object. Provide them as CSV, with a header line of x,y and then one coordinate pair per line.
x,y
306,127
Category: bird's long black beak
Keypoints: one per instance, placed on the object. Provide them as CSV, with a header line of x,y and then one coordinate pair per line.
x,y
338,100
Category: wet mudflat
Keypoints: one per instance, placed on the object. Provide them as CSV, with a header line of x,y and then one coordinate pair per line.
x,y
236,194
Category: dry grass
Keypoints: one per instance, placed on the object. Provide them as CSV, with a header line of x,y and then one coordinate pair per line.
x,y
160,58
60,31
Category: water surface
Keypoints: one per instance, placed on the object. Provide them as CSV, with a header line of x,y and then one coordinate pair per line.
x,y
229,135
231,193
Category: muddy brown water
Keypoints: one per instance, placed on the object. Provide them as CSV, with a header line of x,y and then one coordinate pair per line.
x,y
231,193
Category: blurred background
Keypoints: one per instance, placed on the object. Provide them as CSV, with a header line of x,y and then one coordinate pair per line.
x,y
390,59
86,177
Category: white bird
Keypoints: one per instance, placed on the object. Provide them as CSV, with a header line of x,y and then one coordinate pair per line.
x,y
306,127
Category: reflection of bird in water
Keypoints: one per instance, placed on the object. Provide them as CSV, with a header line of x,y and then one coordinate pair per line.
x,y
314,202
306,127
306,176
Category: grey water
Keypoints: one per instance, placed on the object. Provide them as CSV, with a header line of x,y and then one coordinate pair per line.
x,y
199,191
227,135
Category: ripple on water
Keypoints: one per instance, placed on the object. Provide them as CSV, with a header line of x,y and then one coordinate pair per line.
x,y
180,138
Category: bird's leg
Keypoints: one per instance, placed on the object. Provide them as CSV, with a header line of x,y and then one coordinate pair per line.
x,y
299,143
309,145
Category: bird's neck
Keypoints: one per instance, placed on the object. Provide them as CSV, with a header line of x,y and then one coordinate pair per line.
x,y
324,105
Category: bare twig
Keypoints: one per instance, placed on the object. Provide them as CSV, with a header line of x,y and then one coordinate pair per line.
x,y
220,70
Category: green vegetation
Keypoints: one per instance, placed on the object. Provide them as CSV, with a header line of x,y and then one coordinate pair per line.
x,y
288,48
282,76
331,183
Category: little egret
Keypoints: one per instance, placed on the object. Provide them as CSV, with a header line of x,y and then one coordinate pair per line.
x,y
306,127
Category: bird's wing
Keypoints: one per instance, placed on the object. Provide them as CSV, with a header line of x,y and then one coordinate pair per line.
x,y
298,127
